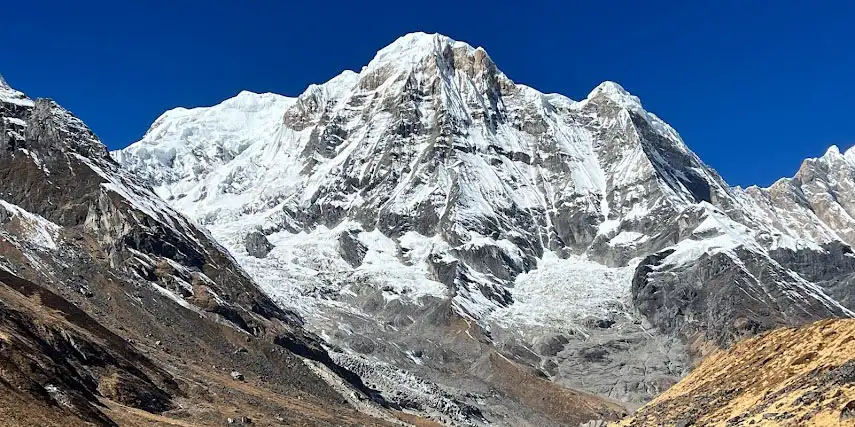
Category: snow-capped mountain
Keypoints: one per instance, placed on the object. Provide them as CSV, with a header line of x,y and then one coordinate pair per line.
x,y
427,213
431,139
817,204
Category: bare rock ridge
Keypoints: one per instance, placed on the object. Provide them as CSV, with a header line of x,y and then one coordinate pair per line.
x,y
427,210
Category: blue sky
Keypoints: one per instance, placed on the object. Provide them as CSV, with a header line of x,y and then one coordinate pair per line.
x,y
753,87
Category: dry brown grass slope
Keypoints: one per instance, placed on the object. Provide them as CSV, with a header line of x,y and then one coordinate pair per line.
x,y
787,377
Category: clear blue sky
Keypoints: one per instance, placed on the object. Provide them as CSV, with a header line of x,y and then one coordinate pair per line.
x,y
752,89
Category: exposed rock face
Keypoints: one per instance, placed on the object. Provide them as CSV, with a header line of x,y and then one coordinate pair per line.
x,y
429,196
350,248
831,266
787,377
720,298
257,245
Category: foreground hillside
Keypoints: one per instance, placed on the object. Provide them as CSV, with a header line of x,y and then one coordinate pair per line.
x,y
787,377
59,367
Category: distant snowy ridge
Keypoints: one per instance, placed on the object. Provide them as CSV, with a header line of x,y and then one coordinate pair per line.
x,y
817,203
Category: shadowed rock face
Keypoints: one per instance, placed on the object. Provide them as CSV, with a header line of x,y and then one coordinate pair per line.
x,y
832,267
350,248
257,244
58,356
721,299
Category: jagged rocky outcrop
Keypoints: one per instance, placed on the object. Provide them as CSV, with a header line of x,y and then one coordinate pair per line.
x,y
816,204
722,298
831,266
256,244
427,208
350,248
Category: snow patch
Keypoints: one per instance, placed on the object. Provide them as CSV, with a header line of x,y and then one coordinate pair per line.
x,y
35,229
561,293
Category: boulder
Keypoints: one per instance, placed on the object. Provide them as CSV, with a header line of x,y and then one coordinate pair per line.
x,y
257,245
350,248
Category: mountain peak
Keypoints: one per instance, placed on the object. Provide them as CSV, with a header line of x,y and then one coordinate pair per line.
x,y
12,96
616,93
850,154
413,47
832,151
835,154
